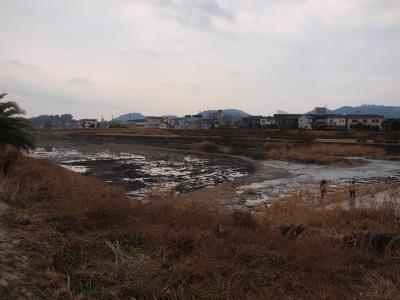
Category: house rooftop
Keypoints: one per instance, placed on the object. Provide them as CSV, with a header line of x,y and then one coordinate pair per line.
x,y
287,115
363,116
253,117
343,116
138,120
88,120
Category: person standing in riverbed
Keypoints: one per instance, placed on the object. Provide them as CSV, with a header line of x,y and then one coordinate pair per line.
x,y
323,187
352,191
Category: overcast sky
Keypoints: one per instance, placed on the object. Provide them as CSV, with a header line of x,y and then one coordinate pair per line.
x,y
108,57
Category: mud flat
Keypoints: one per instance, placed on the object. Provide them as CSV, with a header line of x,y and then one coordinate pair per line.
x,y
287,178
141,169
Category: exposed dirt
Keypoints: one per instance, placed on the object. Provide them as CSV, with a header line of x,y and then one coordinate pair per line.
x,y
140,169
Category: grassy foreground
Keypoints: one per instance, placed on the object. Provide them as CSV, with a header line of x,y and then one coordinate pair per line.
x,y
84,239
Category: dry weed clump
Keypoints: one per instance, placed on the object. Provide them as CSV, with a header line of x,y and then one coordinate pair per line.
x,y
248,190
324,153
87,240
204,146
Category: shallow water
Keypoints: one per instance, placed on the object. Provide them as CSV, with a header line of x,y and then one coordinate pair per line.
x,y
308,176
140,173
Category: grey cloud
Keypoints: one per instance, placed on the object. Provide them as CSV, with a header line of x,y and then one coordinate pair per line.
x,y
34,93
197,13
41,93
79,81
22,65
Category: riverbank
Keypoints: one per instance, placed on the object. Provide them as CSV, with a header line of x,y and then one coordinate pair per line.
x,y
91,241
250,143
140,169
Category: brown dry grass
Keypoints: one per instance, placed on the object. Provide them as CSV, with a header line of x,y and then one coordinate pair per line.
x,y
324,153
249,191
204,146
86,240
121,131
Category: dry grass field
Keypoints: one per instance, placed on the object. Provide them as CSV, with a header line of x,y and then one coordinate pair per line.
x,y
323,153
85,239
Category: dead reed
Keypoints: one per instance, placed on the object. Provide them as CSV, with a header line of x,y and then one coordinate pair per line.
x,y
204,146
324,153
86,240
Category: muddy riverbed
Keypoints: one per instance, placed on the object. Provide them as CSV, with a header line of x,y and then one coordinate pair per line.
x,y
293,178
141,169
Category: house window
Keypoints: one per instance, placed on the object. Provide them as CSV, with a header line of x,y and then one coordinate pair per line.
x,y
330,121
354,121
365,120
375,121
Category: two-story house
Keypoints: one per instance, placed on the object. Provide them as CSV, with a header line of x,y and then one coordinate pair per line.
x,y
365,122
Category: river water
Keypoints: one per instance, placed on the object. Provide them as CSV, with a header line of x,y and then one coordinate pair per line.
x,y
142,171
301,176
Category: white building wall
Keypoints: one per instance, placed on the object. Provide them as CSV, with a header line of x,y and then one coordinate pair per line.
x,y
336,122
365,121
305,122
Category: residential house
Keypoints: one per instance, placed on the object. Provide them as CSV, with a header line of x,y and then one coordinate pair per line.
x,y
321,111
165,125
287,121
365,122
306,122
336,122
190,119
140,124
392,124
320,122
153,122
171,122
226,125
87,123
207,124
250,122
103,124
268,122
179,123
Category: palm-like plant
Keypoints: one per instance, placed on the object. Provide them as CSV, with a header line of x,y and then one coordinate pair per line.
x,y
14,129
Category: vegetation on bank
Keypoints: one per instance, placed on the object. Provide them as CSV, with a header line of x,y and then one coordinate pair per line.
x,y
14,130
302,135
85,239
324,153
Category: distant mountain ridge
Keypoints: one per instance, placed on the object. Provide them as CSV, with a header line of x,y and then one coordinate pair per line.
x,y
169,117
131,116
367,109
53,120
234,114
